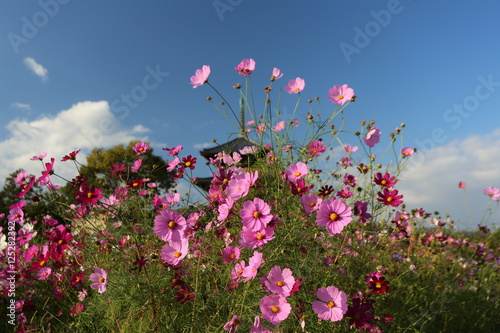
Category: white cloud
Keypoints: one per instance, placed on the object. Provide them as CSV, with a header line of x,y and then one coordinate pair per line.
x,y
140,129
22,106
85,125
203,145
38,69
432,182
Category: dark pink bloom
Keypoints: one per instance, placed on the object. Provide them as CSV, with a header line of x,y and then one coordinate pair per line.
x,y
245,67
299,187
200,77
377,284
461,185
358,313
334,215
384,180
390,197
295,86
333,305
70,156
340,94
137,165
372,137
231,253
140,148
88,196
275,308
280,282
100,279
315,148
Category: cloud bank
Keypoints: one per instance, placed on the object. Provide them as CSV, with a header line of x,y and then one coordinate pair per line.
x,y
36,68
85,125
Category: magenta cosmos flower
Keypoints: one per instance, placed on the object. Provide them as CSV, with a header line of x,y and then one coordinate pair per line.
x,y
310,202
390,197
334,215
315,148
174,251
334,304
274,308
295,86
256,214
296,171
100,279
340,94
406,152
200,77
461,185
372,137
141,148
280,282
245,67
170,225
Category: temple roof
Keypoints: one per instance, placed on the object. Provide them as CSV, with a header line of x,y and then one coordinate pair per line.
x,y
229,147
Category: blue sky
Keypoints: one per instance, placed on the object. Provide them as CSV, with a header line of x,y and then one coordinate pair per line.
x,y
67,67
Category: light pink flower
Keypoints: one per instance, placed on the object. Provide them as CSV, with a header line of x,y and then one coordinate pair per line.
x,y
295,86
340,94
252,239
280,282
21,177
274,308
310,202
174,251
170,225
255,214
276,74
334,215
100,279
315,148
279,126
173,164
237,271
231,253
245,67
173,151
372,137
200,77
260,129
232,325
405,152
493,192
39,157
334,304
237,188
44,273
250,271
296,171
349,150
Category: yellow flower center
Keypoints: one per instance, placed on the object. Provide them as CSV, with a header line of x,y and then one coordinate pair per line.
x,y
275,309
330,304
333,217
340,97
297,89
389,199
280,283
188,163
101,280
177,254
312,204
257,214
383,181
378,285
297,174
171,224
260,236
232,256
89,195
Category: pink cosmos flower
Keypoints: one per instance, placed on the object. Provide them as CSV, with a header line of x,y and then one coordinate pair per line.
x,y
71,156
256,214
137,165
173,164
260,129
390,197
245,67
340,94
349,150
279,126
44,273
200,77
170,225
237,188
405,152
276,74
461,185
140,148
333,305
493,192
274,308
174,251
39,157
232,325
334,215
252,239
100,279
280,282
237,271
231,253
310,202
21,177
296,171
295,86
173,151
372,137
315,148
250,271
